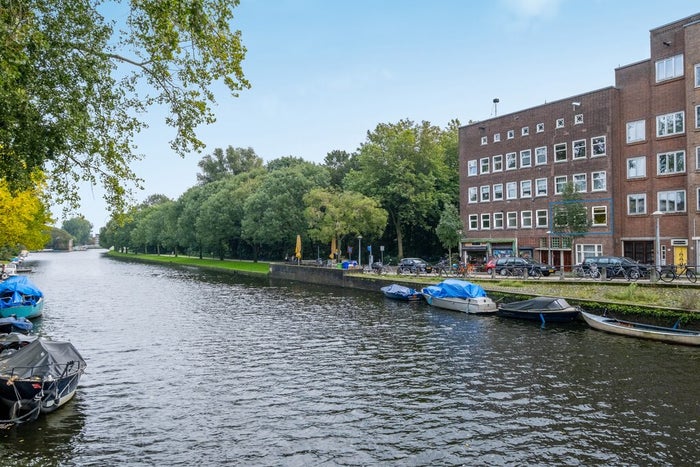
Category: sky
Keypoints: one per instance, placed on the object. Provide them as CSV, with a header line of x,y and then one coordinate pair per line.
x,y
324,72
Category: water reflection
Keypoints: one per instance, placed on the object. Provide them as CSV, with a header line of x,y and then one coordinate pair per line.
x,y
187,367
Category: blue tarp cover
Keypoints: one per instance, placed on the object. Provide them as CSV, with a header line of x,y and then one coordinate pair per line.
x,y
15,289
398,289
455,288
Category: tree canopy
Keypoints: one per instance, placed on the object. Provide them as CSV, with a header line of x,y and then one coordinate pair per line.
x,y
74,84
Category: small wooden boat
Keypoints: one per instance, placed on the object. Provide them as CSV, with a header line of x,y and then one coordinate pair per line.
x,y
459,295
39,378
401,292
672,335
19,297
544,309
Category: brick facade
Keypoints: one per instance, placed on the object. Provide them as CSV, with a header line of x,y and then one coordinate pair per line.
x,y
632,149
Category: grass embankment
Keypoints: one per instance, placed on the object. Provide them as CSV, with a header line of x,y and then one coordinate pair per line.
x,y
230,265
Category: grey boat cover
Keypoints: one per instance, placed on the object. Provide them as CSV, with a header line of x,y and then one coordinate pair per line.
x,y
40,359
538,303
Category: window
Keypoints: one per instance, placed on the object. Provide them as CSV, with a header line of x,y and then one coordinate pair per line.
x,y
671,163
512,220
559,184
472,168
669,68
637,203
697,116
496,137
511,161
636,131
579,182
485,193
473,194
599,215
698,198
697,158
526,158
473,222
541,155
498,163
539,127
512,190
578,119
524,131
560,123
486,221
598,146
578,148
541,187
560,152
511,134
498,192
526,219
697,75
542,218
485,165
497,220
670,124
599,181
637,167
526,188
484,140
672,201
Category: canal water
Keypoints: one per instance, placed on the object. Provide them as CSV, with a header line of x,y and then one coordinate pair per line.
x,y
187,367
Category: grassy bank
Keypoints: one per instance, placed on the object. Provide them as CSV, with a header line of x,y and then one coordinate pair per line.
x,y
230,265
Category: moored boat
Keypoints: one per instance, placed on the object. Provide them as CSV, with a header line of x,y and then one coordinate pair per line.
x,y
19,297
544,309
39,377
459,295
15,324
401,292
672,335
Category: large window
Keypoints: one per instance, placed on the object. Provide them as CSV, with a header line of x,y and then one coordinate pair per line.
x,y
599,215
498,163
512,220
485,193
671,163
473,194
498,192
497,220
485,221
697,116
541,155
669,68
637,203
579,182
637,167
512,190
541,187
672,201
559,184
599,181
636,131
697,75
526,188
511,161
578,148
670,124
526,219
542,218
560,152
473,222
472,168
598,146
697,158
485,165
526,158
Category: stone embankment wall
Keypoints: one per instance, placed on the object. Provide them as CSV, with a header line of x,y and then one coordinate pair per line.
x,y
329,276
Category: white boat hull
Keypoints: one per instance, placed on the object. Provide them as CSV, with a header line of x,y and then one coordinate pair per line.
x,y
626,328
477,305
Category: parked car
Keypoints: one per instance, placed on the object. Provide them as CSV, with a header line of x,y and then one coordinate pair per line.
x,y
413,266
505,265
490,266
611,263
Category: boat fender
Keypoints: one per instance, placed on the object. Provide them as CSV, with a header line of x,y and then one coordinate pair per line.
x,y
24,408
4,275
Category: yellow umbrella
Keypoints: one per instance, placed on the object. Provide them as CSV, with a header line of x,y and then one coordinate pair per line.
x,y
333,248
297,251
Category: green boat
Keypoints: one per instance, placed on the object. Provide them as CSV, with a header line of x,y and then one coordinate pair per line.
x,y
20,298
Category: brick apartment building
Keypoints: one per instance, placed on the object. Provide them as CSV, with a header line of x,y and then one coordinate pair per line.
x,y
632,151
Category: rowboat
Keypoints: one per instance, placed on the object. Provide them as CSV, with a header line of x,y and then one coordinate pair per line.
x,y
671,335
544,309
458,295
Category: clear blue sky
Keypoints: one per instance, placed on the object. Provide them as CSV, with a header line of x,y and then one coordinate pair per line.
x,y
325,72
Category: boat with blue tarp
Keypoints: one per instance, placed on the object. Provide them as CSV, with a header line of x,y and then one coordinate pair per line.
x,y
19,297
459,295
401,292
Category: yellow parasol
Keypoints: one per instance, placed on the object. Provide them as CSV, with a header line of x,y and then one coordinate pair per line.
x,y
297,251
333,248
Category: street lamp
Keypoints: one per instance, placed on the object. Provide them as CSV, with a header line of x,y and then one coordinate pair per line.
x,y
359,251
657,248
549,248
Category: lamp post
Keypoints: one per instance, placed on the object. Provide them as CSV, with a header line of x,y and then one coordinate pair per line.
x,y
459,247
657,246
359,251
549,248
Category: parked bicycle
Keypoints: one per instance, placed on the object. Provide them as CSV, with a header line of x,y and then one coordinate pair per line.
x,y
617,270
672,272
587,270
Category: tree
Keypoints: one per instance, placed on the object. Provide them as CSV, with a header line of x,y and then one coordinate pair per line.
x,y
339,163
570,216
80,228
23,219
401,166
449,229
222,164
74,83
